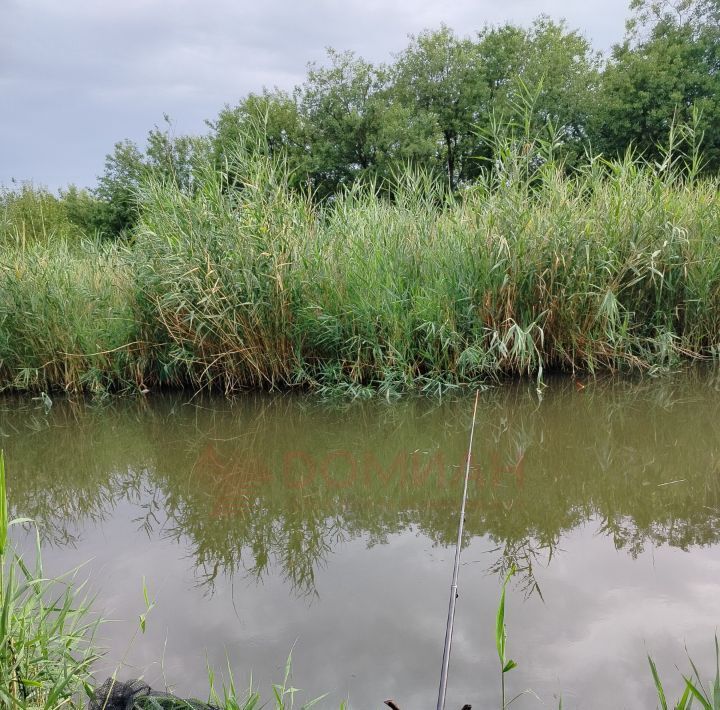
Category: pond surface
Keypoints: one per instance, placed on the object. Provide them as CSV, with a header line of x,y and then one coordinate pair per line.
x,y
272,523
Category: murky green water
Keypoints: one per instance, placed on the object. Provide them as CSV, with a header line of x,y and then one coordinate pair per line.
x,y
278,521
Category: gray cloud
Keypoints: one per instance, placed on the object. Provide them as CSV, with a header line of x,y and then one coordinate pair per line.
x,y
79,75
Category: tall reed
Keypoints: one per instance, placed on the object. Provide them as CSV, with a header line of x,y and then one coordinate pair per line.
x,y
67,318
613,267
244,282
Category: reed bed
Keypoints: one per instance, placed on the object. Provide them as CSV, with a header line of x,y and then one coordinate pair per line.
x,y
243,282
66,318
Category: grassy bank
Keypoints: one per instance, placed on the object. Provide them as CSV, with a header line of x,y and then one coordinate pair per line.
x,y
615,266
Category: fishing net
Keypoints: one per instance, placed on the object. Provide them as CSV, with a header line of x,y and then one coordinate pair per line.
x,y
136,695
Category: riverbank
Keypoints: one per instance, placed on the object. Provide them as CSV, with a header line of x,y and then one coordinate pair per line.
x,y
614,267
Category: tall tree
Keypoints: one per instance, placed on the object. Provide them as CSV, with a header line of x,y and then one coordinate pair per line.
x,y
117,189
666,71
546,71
357,125
344,108
648,15
268,123
439,76
166,157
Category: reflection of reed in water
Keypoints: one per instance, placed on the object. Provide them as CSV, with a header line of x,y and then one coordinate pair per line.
x,y
641,458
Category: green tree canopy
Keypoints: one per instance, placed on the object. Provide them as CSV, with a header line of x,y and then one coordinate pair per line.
x,y
667,71
434,104
439,78
166,157
547,70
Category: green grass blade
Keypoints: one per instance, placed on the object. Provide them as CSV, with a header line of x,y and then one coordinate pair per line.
x,y
700,697
3,506
658,684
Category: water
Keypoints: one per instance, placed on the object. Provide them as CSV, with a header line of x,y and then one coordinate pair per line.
x,y
275,523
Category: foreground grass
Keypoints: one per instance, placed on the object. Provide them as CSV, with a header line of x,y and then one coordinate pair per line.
x,y
616,266
46,635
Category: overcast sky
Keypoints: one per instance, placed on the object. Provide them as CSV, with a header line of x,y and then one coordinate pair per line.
x,y
78,75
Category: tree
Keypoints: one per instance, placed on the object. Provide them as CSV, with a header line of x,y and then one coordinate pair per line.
x,y
171,158
167,157
666,71
547,70
344,108
649,15
269,123
358,125
439,77
117,188
465,86
82,209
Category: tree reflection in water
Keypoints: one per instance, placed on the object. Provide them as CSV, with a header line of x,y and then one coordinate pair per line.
x,y
266,484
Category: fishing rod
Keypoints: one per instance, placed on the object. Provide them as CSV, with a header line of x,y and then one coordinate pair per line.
x,y
456,569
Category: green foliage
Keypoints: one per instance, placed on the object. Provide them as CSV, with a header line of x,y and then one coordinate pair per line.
x,y
438,77
117,188
66,317
351,119
396,294
429,110
708,698
506,664
4,518
267,123
343,109
670,78
649,15
166,157
83,210
555,66
613,266
30,215
46,631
